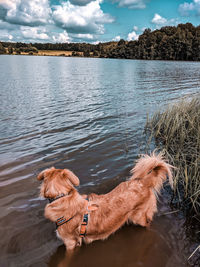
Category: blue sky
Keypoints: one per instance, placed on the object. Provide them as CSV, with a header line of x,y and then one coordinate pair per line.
x,y
90,20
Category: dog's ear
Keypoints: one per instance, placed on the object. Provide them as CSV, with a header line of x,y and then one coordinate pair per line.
x,y
43,173
71,176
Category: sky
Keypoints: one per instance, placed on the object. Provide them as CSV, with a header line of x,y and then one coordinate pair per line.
x,y
92,21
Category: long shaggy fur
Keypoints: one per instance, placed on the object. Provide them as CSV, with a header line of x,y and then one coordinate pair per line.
x,y
131,201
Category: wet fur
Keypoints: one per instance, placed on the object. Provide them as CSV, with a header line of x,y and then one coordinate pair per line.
x,y
131,201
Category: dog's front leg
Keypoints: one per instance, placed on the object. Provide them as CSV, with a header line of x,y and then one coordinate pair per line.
x,y
70,245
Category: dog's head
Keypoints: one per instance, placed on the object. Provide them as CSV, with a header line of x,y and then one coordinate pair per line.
x,y
57,182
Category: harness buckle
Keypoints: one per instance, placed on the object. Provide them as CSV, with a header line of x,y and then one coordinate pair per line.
x,y
84,225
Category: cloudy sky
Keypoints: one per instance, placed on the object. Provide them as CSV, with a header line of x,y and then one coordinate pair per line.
x,y
90,20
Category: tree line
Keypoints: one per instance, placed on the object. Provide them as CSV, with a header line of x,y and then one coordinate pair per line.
x,y
180,42
17,48
168,43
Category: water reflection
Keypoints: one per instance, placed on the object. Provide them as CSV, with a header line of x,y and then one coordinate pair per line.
x,y
131,246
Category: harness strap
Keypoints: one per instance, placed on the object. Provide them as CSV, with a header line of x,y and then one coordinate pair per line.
x,y
84,225
60,221
55,198
85,222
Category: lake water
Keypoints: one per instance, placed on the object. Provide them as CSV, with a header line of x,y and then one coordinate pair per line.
x,y
87,115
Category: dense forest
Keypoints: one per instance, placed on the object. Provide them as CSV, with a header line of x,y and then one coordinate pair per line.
x,y
180,42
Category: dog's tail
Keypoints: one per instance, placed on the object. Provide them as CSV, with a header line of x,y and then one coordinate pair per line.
x,y
153,171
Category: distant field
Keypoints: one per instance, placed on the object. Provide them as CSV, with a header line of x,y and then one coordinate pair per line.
x,y
50,53
54,53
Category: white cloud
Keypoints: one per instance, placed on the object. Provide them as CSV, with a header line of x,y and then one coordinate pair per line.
x,y
96,42
84,36
10,37
191,8
69,20
158,20
34,33
6,25
81,19
132,36
132,4
9,4
5,35
61,37
25,12
135,28
117,38
9,31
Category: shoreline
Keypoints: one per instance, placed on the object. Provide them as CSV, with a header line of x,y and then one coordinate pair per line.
x,y
63,53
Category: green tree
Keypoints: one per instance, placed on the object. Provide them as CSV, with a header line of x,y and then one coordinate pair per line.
x,y
10,50
2,49
86,53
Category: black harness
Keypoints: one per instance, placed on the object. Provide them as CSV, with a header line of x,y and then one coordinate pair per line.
x,y
84,225
55,198
62,220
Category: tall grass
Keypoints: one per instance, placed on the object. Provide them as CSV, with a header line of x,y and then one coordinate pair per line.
x,y
177,131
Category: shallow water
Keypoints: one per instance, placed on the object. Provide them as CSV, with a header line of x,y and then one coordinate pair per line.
x,y
87,115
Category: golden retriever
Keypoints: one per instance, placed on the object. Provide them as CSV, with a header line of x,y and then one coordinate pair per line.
x,y
87,218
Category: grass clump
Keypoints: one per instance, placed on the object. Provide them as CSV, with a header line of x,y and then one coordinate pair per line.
x,y
177,131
